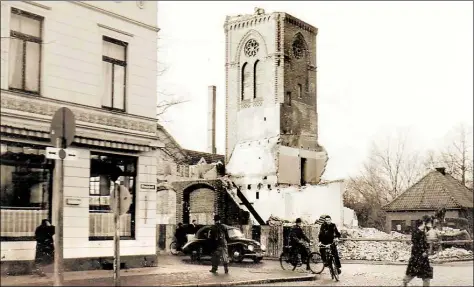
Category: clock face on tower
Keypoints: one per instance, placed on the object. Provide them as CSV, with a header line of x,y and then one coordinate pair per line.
x,y
251,48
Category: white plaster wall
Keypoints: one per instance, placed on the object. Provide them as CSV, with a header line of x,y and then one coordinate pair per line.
x,y
238,121
76,218
71,67
308,202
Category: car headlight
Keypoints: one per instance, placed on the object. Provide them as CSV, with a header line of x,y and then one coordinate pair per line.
x,y
250,247
263,247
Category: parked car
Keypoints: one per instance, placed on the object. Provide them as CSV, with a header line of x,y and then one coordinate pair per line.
x,y
239,246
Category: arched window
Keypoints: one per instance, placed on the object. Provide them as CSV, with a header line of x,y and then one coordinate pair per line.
x,y
256,79
246,83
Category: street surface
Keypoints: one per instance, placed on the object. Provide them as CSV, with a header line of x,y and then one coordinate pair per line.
x,y
173,271
448,274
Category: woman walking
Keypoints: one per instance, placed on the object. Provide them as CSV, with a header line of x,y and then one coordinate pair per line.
x,y
44,246
419,264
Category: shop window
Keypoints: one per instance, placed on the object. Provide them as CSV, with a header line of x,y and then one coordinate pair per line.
x,y
106,171
26,188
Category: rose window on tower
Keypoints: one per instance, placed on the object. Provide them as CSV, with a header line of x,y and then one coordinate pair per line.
x,y
251,48
299,48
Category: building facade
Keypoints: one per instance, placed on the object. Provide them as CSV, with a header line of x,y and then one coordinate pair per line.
x,y
98,59
271,87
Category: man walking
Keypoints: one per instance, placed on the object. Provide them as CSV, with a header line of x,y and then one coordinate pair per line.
x,y
219,238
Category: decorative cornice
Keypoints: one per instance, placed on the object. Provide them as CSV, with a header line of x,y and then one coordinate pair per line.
x,y
115,30
103,11
39,106
38,5
9,130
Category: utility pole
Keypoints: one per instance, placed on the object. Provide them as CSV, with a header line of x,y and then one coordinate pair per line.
x,y
117,235
62,132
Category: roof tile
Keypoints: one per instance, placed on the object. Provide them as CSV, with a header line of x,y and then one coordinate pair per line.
x,y
435,190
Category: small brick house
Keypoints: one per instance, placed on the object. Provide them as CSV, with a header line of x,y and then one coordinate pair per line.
x,y
435,190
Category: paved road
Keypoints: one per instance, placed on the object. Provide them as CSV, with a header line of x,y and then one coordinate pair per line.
x,y
453,274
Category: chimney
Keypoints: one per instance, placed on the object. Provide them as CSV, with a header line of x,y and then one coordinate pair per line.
x,y
211,120
442,170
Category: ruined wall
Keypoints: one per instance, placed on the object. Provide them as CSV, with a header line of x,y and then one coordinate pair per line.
x,y
299,118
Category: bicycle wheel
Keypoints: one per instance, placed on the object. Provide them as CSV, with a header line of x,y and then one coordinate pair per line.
x,y
174,248
334,270
316,263
285,262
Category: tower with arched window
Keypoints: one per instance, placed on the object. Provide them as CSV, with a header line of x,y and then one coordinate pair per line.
x,y
271,101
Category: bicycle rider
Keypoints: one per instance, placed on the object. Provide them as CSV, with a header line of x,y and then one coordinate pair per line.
x,y
297,238
328,234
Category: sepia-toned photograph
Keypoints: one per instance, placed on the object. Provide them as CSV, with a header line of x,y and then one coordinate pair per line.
x,y
236,143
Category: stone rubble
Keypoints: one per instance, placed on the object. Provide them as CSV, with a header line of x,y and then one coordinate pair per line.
x,y
388,250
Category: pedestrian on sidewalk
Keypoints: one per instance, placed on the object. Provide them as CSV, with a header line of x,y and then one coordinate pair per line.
x,y
419,264
180,235
219,238
44,246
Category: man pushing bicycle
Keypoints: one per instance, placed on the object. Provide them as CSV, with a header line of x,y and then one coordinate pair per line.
x,y
297,238
328,234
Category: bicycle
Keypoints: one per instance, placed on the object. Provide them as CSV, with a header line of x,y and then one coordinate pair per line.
x,y
291,260
330,261
174,248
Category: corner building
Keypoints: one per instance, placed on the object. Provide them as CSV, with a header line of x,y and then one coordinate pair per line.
x,y
99,60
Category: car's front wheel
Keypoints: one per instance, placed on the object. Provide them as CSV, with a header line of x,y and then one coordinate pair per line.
x,y
257,259
237,255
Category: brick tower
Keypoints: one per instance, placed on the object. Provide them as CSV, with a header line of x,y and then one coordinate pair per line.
x,y
271,101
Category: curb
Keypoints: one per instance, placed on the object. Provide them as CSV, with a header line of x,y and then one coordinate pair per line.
x,y
250,282
444,262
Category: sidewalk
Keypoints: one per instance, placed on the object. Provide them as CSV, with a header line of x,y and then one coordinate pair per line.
x,y
168,275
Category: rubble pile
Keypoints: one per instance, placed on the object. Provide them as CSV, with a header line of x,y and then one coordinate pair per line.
x,y
374,250
277,221
389,250
452,253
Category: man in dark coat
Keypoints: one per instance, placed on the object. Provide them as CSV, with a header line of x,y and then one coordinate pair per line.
x,y
44,246
192,228
297,239
419,264
219,238
327,235
180,235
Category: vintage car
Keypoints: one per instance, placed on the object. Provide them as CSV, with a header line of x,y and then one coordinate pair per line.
x,y
239,246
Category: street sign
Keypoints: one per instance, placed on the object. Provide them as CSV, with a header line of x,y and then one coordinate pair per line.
x,y
59,153
125,199
63,126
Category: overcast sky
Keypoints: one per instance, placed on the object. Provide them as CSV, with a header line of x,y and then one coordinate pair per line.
x,y
382,66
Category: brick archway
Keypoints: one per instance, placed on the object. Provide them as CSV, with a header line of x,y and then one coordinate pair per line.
x,y
198,203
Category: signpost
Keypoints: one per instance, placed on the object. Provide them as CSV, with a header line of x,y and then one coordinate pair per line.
x,y
120,201
63,129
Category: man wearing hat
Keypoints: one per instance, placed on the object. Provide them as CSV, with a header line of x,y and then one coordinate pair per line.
x,y
297,237
219,237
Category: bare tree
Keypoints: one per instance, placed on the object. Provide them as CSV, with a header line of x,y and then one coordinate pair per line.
x,y
456,156
394,165
165,100
390,169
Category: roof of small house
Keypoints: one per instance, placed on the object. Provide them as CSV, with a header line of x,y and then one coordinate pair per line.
x,y
435,190
181,155
196,156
